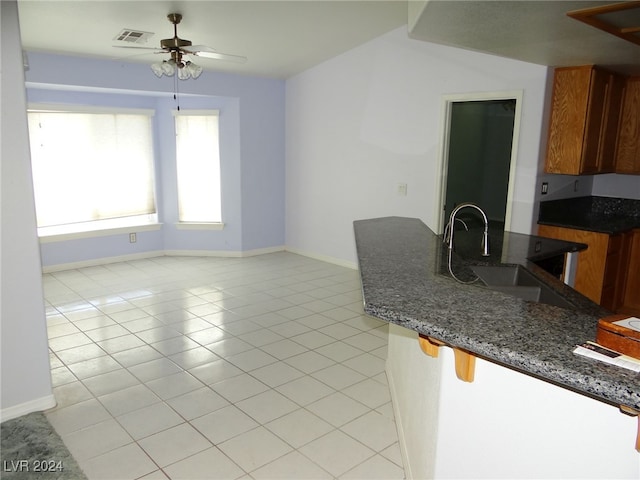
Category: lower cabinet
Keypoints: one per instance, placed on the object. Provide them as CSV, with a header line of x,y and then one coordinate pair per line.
x,y
630,296
607,272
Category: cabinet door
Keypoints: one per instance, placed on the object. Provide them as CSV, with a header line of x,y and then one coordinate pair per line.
x,y
595,124
591,262
612,114
570,99
631,297
628,147
613,282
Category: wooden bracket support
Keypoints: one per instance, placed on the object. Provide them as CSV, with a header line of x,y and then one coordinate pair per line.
x,y
465,362
634,413
465,365
429,345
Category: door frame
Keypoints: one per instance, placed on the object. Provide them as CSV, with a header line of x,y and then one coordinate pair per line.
x,y
443,163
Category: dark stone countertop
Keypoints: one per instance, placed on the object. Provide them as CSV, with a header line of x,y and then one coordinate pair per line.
x,y
401,265
594,214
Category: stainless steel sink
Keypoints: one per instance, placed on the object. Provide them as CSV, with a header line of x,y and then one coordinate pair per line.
x,y
517,281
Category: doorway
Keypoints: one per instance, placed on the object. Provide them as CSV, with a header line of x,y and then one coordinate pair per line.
x,y
479,154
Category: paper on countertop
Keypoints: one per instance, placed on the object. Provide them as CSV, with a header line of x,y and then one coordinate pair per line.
x,y
606,355
632,322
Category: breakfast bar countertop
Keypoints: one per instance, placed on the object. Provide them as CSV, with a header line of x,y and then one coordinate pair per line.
x,y
403,269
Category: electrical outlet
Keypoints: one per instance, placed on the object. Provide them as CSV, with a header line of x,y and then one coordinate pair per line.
x,y
133,238
545,188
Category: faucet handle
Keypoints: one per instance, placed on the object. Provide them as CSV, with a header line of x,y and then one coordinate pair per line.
x,y
447,232
463,223
447,229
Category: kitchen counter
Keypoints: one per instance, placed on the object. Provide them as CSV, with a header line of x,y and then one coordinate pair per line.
x,y
594,214
404,281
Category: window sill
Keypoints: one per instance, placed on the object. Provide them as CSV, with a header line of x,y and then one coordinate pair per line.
x,y
52,234
199,226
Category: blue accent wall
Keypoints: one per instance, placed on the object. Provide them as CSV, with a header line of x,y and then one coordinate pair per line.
x,y
252,127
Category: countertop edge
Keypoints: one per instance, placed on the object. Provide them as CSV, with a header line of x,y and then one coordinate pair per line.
x,y
432,317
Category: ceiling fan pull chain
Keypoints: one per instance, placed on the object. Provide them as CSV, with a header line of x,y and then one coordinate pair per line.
x,y
176,93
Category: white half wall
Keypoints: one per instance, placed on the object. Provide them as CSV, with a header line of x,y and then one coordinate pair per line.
x,y
363,122
504,424
26,377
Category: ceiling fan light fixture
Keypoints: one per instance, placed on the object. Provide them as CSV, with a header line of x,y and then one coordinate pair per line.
x,y
185,70
178,48
193,69
183,73
168,67
157,69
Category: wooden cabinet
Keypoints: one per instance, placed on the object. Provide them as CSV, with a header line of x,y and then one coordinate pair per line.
x,y
585,112
614,272
602,268
628,146
630,295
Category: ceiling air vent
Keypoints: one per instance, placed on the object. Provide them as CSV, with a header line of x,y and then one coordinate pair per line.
x,y
133,36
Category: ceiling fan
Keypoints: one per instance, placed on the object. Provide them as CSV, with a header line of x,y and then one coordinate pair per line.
x,y
178,48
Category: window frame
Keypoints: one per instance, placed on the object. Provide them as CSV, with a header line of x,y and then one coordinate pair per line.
x,y
198,225
111,226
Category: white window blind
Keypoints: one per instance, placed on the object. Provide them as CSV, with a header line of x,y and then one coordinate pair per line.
x,y
91,166
198,166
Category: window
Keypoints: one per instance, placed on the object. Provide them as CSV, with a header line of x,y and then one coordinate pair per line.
x,y
198,166
91,168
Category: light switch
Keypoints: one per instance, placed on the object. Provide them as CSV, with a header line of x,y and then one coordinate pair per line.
x,y
402,189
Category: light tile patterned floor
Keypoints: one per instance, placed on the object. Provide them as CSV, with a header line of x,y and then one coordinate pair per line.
x,y
218,368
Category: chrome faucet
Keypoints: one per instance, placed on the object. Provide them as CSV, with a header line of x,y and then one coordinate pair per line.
x,y
448,237
446,229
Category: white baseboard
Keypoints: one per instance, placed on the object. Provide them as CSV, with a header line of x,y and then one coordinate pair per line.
x,y
160,253
400,430
223,253
197,253
100,261
37,405
263,251
324,258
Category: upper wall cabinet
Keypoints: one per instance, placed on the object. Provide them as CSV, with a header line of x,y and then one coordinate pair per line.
x,y
585,113
628,149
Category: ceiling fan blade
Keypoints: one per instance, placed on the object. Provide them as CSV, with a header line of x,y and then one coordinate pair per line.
x,y
138,48
221,56
208,52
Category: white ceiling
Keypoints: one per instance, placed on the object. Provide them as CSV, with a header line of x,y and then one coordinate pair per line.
x,y
282,38
533,31
279,38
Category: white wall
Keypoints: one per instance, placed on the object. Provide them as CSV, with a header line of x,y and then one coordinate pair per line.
x,y
360,123
252,154
502,425
26,378
415,394
509,425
